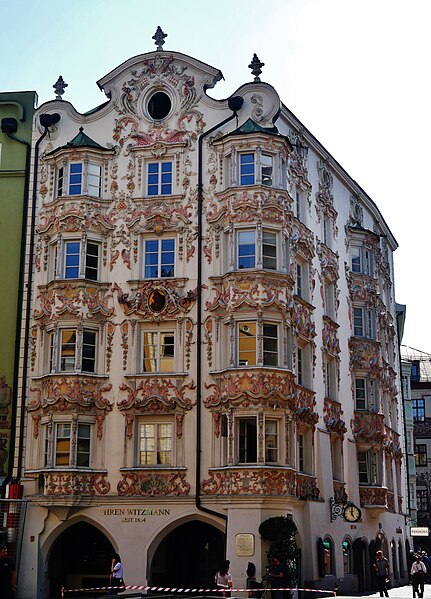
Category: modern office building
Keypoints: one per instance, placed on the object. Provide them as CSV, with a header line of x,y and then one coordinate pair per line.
x,y
212,342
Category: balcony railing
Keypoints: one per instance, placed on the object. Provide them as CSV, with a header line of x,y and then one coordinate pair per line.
x,y
260,481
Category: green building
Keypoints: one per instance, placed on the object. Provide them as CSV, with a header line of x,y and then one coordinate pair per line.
x,y
16,114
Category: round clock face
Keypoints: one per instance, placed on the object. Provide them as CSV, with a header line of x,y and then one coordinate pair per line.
x,y
352,513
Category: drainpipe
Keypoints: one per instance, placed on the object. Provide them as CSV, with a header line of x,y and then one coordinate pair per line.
x,y
10,126
234,104
46,120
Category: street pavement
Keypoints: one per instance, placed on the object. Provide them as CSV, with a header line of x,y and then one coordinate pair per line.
x,y
404,592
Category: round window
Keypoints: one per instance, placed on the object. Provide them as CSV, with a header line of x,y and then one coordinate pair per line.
x,y
159,106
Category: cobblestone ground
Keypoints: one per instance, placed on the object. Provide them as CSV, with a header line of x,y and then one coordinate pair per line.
x,y
398,593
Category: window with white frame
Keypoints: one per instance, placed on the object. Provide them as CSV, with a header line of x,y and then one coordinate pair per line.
x,y
303,363
301,280
255,168
251,344
300,205
366,393
327,228
159,258
329,298
363,322
80,259
70,445
248,439
80,178
304,451
370,468
250,254
156,440
361,260
331,377
160,178
158,351
72,350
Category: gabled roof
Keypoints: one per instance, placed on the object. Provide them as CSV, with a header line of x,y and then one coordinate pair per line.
x,y
81,140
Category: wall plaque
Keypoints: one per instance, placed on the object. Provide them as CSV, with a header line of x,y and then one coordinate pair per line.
x,y
244,544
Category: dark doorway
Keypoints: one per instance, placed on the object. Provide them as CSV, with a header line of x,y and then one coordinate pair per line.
x,y
80,558
188,557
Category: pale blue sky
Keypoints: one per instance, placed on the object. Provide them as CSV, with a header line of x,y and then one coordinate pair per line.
x,y
355,72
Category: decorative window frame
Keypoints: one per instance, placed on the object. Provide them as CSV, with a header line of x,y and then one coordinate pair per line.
x,y
48,441
52,340
282,248
57,251
156,419
157,152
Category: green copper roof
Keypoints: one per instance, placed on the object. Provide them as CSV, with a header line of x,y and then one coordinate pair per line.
x,y
251,127
83,141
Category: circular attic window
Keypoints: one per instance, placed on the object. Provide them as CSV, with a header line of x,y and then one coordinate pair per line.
x,y
159,106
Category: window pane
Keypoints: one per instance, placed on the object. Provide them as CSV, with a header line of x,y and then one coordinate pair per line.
x,y
71,261
247,343
356,259
75,178
246,169
62,444
270,345
269,250
147,444
164,444
246,249
266,166
247,441
83,445
89,351
358,322
92,261
67,354
167,349
360,394
271,441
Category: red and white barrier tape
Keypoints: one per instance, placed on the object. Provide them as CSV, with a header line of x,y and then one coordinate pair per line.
x,y
176,590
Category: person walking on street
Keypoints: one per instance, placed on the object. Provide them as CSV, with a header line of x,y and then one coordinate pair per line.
x,y
7,575
418,573
381,567
117,574
223,579
277,576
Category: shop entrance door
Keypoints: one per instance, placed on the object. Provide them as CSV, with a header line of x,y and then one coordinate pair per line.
x,y
80,558
188,557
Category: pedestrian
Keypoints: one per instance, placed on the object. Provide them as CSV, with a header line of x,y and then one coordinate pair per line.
x,y
381,567
7,575
418,573
223,579
117,574
277,575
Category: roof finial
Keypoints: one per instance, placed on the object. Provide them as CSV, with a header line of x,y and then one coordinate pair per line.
x,y
159,38
256,68
59,87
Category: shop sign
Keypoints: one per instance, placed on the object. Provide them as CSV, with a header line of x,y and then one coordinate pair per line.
x,y
419,531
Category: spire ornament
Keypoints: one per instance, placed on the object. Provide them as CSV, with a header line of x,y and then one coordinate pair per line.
x,y
256,68
59,87
159,38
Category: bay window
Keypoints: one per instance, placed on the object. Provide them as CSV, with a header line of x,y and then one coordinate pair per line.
x,y
248,440
80,259
363,322
361,260
80,178
257,251
254,349
255,168
72,350
370,468
68,444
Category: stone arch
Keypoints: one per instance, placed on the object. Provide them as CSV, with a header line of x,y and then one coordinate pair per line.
x,y
77,554
196,539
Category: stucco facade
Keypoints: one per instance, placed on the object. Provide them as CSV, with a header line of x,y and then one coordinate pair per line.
x,y
212,336
16,116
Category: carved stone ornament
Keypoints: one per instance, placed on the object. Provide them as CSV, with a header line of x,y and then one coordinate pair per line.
x,y
76,484
153,484
91,301
369,427
250,482
155,300
68,394
332,417
155,395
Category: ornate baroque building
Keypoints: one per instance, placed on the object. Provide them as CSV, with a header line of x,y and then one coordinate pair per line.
x,y
212,341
